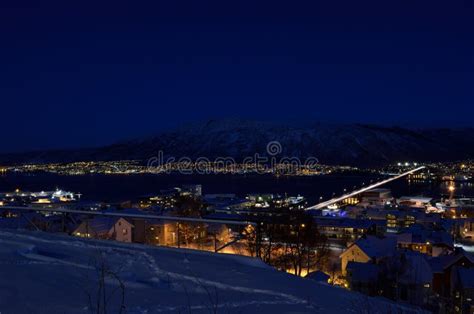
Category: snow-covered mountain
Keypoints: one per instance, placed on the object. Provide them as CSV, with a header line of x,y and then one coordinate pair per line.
x,y
48,273
351,144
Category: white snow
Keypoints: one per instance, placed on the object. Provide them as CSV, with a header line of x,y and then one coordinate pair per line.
x,y
48,273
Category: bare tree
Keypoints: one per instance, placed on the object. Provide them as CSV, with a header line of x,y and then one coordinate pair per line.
x,y
292,244
100,299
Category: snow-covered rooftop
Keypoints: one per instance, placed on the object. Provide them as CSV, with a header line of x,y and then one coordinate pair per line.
x,y
376,247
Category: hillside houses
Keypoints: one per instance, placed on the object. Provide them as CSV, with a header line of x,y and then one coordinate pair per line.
x,y
118,229
140,230
401,268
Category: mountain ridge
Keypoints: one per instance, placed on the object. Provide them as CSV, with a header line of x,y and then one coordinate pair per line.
x,y
349,144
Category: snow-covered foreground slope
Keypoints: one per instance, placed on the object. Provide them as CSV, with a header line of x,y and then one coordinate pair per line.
x,y
46,273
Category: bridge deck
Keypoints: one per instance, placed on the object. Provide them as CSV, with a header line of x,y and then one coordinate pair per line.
x,y
367,188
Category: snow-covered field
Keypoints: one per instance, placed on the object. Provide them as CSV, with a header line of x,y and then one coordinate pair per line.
x,y
48,273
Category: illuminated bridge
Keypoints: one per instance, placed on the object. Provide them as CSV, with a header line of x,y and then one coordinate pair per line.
x,y
367,188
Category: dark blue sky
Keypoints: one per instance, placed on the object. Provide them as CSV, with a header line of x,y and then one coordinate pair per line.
x,y
76,73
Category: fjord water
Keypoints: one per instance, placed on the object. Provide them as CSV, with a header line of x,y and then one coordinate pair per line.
x,y
115,188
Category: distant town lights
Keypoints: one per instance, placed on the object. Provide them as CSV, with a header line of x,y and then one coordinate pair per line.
x,y
407,164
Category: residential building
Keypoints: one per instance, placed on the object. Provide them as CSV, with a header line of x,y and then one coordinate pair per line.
x,y
414,278
344,229
397,219
160,232
368,249
426,241
319,276
363,277
118,229
462,289
443,266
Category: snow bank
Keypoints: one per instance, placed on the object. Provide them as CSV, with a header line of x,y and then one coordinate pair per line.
x,y
47,273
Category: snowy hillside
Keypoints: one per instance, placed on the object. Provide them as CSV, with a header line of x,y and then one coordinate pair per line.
x,y
46,273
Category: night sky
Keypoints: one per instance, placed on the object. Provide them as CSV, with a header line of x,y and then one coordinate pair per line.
x,y
76,73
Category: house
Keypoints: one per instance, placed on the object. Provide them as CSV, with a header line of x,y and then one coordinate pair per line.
x,y
122,230
415,277
161,232
462,289
118,229
319,276
363,277
172,233
443,266
424,240
405,276
97,227
132,215
368,249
